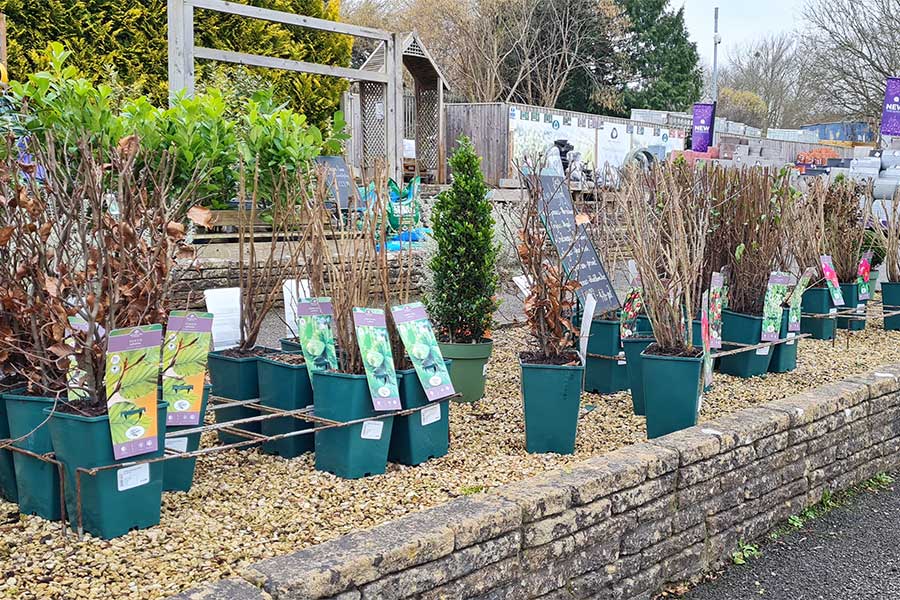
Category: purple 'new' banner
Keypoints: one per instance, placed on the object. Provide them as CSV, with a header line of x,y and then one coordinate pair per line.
x,y
890,114
704,118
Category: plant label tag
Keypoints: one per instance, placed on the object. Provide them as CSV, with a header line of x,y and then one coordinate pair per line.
x,y
431,414
863,274
132,477
75,376
796,300
716,303
185,351
484,370
225,305
421,345
621,356
521,282
790,336
375,349
834,288
860,309
371,430
763,351
132,373
776,292
314,317
832,311
178,444
292,290
587,317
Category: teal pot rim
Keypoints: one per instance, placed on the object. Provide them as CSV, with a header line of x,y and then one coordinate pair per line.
x,y
474,351
525,365
884,283
638,338
341,375
743,315
412,371
647,356
294,339
98,419
15,395
245,359
283,365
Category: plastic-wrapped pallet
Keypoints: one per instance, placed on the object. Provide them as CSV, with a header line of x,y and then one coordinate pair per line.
x,y
868,162
890,158
891,173
862,151
835,171
885,188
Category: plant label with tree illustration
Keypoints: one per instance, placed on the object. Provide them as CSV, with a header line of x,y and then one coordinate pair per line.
x,y
831,279
716,304
184,355
314,317
776,292
75,376
132,373
418,338
375,349
797,299
864,288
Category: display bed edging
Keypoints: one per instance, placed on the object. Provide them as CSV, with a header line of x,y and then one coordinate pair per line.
x,y
619,525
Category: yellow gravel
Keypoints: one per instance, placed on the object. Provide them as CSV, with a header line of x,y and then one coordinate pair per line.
x,y
246,506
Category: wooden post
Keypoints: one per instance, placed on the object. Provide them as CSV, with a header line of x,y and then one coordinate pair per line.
x,y
397,116
3,56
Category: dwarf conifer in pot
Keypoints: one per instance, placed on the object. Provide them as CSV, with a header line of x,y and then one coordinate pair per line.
x,y
462,300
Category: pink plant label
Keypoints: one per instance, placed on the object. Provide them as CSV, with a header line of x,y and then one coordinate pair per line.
x,y
831,279
864,288
716,298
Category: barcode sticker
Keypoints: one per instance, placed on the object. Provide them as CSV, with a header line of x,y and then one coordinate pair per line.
x,y
621,360
132,477
371,430
790,336
179,444
431,414
763,351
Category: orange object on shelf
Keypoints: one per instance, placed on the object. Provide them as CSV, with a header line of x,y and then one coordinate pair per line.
x,y
817,156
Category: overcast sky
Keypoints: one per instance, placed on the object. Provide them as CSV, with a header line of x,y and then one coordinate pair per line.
x,y
740,21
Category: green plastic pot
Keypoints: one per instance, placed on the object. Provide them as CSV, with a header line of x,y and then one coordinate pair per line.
x,y
852,301
107,510
552,398
37,481
417,438
235,379
469,370
642,325
817,301
743,329
178,473
890,296
633,363
352,451
285,386
602,375
671,392
784,356
8,487
290,345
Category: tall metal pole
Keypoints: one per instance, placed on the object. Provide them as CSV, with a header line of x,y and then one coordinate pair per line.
x,y
716,41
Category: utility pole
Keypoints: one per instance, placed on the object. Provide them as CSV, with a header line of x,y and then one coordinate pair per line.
x,y
716,41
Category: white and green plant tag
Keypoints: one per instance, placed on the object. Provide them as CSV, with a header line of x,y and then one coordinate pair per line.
x,y
776,292
375,349
314,316
796,301
75,376
132,372
185,351
418,338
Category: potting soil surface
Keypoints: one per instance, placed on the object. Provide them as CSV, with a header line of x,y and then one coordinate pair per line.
x,y
246,506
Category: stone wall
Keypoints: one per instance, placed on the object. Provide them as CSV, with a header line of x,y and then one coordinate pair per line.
x,y
208,273
617,526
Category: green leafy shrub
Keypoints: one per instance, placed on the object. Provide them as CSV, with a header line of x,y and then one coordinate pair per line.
x,y
462,301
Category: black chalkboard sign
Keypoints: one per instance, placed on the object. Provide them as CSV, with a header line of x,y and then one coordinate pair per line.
x,y
339,174
579,257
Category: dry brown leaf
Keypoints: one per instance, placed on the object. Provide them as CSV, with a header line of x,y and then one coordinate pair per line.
x,y
175,230
128,147
200,215
582,219
6,234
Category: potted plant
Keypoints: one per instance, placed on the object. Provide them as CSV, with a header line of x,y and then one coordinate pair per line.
x,y
89,280
551,371
886,232
633,346
666,220
750,236
462,301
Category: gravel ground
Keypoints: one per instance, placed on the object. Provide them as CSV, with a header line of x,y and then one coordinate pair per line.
x,y
850,552
246,506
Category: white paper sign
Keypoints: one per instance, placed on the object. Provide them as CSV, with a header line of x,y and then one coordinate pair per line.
x,y
132,477
293,290
371,430
225,305
521,282
590,304
431,414
763,351
179,444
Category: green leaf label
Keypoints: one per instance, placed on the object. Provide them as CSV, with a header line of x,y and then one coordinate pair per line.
x,y
375,348
797,299
184,356
132,371
314,316
776,292
421,345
